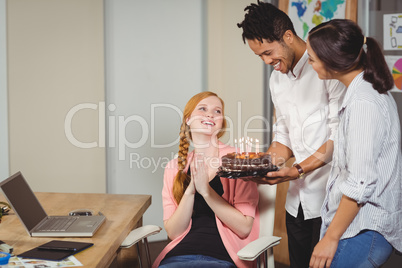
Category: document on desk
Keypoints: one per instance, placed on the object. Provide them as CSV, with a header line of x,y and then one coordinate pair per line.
x,y
55,250
18,262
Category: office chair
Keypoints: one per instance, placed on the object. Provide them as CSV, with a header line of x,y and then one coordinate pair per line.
x,y
266,241
138,234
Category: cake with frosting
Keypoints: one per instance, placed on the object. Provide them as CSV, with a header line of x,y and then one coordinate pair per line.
x,y
235,165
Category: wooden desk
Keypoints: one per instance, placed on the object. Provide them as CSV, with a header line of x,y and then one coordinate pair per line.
x,y
123,213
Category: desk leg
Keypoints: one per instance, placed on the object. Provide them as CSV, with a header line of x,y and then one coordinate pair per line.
x,y
128,257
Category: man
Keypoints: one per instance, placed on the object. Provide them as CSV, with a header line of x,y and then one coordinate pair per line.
x,y
306,121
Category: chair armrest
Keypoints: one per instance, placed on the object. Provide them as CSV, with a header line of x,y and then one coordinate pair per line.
x,y
138,234
254,249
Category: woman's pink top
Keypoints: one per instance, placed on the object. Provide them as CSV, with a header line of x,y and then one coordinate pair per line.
x,y
238,193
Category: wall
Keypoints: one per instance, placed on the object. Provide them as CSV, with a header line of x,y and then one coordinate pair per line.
x,y
63,67
165,63
156,56
238,75
154,64
55,62
234,71
4,163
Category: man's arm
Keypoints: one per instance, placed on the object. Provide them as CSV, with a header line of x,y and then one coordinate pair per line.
x,y
323,155
279,153
318,159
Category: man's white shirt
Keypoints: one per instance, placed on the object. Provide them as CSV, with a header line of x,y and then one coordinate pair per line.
x,y
306,117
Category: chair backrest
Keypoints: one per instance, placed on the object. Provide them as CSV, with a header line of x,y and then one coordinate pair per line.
x,y
266,207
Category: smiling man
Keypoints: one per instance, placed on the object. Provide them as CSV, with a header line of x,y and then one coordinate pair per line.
x,y
307,119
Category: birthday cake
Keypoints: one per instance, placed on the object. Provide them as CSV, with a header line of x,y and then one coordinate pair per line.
x,y
235,165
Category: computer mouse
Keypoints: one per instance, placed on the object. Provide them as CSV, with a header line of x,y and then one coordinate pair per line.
x,y
81,212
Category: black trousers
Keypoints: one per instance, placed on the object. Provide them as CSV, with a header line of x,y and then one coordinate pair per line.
x,y
303,235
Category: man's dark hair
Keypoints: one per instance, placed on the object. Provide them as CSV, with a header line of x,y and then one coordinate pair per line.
x,y
265,21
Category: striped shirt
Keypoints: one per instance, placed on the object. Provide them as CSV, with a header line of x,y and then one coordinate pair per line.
x,y
367,163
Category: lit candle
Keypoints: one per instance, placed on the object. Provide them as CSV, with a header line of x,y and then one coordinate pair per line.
x,y
245,144
235,146
257,146
241,146
247,140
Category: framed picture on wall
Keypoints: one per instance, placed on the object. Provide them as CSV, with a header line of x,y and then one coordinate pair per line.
x,y
306,14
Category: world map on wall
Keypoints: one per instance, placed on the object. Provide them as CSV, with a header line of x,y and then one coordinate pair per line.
x,y
306,14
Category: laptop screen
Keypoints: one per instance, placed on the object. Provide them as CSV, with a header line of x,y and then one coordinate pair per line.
x,y
23,200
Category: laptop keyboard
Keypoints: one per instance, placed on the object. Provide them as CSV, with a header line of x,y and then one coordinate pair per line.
x,y
58,224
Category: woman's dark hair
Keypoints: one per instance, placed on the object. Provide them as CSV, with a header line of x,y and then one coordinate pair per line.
x,y
339,45
265,21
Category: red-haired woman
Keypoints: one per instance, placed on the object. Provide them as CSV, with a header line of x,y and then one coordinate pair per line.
x,y
208,218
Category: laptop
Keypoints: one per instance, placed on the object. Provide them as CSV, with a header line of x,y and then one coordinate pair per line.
x,y
31,213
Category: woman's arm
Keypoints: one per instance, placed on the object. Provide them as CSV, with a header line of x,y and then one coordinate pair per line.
x,y
240,224
237,222
180,219
325,250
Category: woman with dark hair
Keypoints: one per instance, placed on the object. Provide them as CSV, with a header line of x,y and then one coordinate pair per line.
x,y
208,218
362,210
